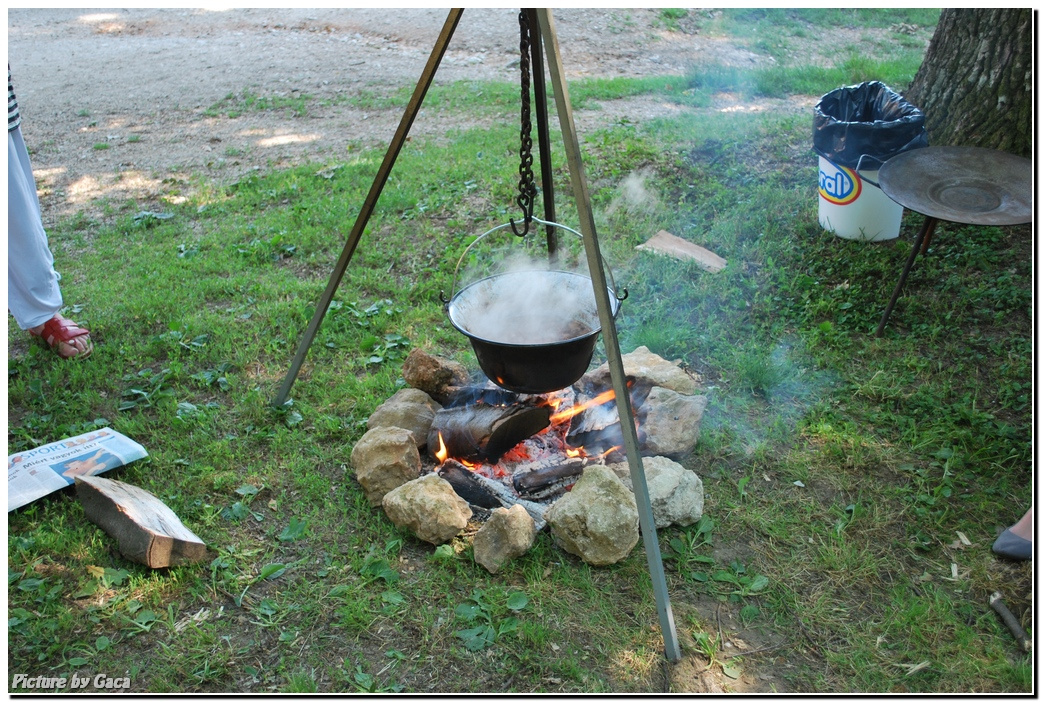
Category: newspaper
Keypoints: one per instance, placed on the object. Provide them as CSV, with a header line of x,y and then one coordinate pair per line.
x,y
45,469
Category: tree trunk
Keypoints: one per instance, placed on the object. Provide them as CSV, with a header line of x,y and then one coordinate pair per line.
x,y
974,85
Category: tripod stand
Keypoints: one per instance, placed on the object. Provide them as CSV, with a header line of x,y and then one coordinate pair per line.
x,y
543,35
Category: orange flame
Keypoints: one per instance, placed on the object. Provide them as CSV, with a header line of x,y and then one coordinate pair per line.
x,y
574,452
602,398
441,453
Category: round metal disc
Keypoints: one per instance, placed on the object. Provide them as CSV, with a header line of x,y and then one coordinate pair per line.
x,y
961,184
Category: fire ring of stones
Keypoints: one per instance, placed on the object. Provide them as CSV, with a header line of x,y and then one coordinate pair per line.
x,y
443,456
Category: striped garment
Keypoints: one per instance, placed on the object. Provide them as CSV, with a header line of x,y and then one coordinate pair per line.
x,y
13,118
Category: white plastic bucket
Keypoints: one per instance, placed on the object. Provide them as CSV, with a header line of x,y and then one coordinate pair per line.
x,y
853,208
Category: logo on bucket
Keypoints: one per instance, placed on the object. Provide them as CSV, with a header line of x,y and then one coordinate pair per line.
x,y
841,187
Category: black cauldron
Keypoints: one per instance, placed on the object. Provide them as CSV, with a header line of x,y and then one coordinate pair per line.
x,y
533,331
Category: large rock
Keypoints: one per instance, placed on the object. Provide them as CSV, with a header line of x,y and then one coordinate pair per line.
x,y
384,459
652,368
597,521
672,422
436,376
408,408
428,507
677,495
507,534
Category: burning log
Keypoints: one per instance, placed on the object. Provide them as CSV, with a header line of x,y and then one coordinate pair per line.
x,y
467,485
474,394
535,482
485,489
485,432
596,428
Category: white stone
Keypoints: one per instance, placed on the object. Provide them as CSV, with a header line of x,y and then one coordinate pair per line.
x,y
507,534
383,459
428,507
598,520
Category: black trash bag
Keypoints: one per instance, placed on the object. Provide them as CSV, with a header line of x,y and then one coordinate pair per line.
x,y
865,125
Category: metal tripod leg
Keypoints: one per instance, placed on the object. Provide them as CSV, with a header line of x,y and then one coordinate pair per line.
x,y
924,234
538,77
427,77
614,354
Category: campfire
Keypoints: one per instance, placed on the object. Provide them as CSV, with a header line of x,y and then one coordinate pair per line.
x,y
503,449
486,450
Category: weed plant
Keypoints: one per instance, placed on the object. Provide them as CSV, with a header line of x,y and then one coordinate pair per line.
x,y
853,483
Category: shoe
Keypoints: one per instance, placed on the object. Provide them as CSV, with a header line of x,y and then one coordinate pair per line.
x,y
1015,547
58,332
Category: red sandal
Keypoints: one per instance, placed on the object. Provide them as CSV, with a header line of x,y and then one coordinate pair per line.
x,y
59,332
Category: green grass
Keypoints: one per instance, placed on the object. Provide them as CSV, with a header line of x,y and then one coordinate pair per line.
x,y
232,105
839,467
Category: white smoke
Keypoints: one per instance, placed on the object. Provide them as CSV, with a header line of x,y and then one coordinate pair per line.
x,y
527,306
633,195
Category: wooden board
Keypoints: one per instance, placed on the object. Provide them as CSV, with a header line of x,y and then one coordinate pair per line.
x,y
146,530
671,245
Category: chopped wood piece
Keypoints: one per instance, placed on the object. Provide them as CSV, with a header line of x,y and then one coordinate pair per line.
x,y
597,428
485,432
492,488
467,486
146,530
532,482
671,245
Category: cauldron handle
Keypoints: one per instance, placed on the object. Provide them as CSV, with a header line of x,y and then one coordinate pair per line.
x,y
455,274
543,222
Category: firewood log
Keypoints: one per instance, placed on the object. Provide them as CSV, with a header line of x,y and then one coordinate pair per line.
x,y
485,432
146,530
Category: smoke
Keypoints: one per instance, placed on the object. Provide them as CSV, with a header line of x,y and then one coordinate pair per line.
x,y
527,305
633,195
773,413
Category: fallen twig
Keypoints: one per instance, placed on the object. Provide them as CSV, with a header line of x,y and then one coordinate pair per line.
x,y
719,625
1010,621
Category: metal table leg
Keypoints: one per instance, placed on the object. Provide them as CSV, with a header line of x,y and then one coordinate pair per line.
x,y
924,234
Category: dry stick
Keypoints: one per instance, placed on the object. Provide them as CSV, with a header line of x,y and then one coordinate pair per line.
x,y
719,625
1010,621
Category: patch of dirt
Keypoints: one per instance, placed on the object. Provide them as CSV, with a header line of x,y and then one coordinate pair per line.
x,y
115,102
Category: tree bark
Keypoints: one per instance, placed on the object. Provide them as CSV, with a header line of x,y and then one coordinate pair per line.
x,y
974,85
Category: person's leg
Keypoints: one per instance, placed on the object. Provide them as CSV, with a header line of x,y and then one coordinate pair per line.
x,y
1017,542
1024,528
33,295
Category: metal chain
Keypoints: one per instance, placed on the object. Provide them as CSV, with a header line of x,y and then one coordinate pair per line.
x,y
528,191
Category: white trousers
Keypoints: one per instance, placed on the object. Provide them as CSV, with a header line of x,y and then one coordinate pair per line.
x,y
33,295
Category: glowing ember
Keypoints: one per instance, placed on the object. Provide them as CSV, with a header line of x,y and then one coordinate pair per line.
x,y
543,450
